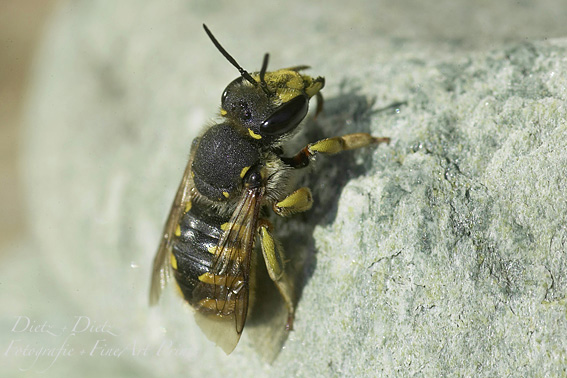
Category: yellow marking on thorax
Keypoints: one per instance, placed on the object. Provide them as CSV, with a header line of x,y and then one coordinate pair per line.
x,y
188,206
223,112
243,172
254,135
212,249
225,194
178,231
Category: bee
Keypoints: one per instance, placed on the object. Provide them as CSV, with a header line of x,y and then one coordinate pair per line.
x,y
236,171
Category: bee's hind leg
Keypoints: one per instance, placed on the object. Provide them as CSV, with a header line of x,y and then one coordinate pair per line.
x,y
275,264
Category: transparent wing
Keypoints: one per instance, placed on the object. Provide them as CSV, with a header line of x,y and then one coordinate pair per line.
x,y
161,268
223,292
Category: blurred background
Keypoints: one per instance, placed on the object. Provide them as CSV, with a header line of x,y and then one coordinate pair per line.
x,y
21,25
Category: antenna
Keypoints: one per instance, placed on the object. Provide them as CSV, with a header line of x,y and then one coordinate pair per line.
x,y
242,71
263,83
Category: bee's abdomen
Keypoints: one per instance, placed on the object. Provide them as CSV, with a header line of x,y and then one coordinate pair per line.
x,y
193,249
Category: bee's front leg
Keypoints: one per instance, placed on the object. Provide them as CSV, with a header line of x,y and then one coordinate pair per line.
x,y
330,146
274,258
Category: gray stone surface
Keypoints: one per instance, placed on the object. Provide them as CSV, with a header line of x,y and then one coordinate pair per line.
x,y
442,254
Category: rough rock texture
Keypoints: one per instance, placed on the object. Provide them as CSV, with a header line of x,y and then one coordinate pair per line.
x,y
442,254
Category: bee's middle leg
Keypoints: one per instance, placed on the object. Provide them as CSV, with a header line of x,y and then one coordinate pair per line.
x,y
299,201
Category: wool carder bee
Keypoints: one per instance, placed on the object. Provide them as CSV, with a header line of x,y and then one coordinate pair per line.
x,y
236,171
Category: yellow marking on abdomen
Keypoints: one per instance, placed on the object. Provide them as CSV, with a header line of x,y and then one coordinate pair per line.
x,y
229,225
173,261
218,280
212,279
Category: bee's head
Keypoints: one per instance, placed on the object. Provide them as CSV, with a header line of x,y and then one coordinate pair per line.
x,y
269,105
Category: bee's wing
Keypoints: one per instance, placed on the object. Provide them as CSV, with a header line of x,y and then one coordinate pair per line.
x,y
161,269
222,295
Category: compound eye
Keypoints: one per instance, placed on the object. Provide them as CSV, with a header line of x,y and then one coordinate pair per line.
x,y
224,96
229,88
286,117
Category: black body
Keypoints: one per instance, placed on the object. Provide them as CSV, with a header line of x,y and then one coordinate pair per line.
x,y
199,232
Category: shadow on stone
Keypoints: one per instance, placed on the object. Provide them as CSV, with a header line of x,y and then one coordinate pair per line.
x,y
349,112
